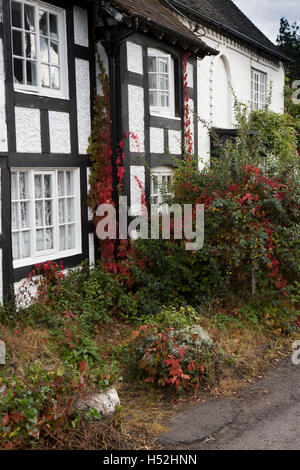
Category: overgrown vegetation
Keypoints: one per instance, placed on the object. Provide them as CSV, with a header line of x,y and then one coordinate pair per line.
x,y
158,317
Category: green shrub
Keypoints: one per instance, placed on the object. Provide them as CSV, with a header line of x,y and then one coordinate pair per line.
x,y
175,317
90,293
181,359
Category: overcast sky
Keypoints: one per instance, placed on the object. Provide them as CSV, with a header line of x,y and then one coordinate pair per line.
x,y
266,14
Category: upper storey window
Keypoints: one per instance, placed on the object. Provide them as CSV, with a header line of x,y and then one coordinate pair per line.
x,y
258,89
161,83
39,48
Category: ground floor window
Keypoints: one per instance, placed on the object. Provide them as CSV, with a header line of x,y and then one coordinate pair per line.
x,y
161,184
45,214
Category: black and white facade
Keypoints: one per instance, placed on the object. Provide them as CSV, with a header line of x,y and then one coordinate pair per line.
x,y
46,77
47,84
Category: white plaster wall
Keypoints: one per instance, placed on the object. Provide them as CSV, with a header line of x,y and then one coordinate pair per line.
x,y
81,35
91,249
1,279
0,204
104,59
28,130
25,292
190,75
3,127
156,140
59,127
136,117
174,142
90,213
135,191
212,90
192,117
134,57
83,103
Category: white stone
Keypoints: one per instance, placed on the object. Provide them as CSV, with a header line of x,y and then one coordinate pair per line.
x,y
156,140
83,104
136,117
2,352
175,142
134,57
136,173
3,126
59,126
28,130
81,29
104,402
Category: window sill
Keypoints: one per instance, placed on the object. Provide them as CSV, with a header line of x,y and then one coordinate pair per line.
x,y
43,259
165,116
43,94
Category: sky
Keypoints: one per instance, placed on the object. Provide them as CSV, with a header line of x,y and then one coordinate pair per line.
x,y
266,14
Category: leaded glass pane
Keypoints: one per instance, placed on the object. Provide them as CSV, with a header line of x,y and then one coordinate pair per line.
x,y
62,238
69,179
48,213
43,21
38,186
29,17
23,186
55,81
45,76
71,237
18,71
30,51
18,43
24,212
49,239
15,219
31,73
40,245
15,246
44,50
61,183
39,213
61,211
70,210
53,26
16,15
25,244
47,186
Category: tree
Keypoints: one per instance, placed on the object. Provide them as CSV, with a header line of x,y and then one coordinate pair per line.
x,y
288,42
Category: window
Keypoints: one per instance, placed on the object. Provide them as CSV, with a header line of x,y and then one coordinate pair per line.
x,y
161,83
39,48
161,185
258,89
45,215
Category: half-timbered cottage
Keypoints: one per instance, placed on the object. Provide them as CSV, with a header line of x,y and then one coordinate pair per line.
x,y
47,84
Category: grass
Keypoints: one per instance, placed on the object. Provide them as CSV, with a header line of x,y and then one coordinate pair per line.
x,y
145,409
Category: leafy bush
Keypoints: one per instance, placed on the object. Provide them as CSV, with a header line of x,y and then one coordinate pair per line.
x,y
91,294
181,359
175,317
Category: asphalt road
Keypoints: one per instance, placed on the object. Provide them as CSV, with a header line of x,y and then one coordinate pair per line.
x,y
266,416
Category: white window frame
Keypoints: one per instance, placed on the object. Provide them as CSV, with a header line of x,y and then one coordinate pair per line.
x,y
63,92
259,85
55,253
159,172
168,111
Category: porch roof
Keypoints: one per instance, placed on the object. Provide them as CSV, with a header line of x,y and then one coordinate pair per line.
x,y
159,20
